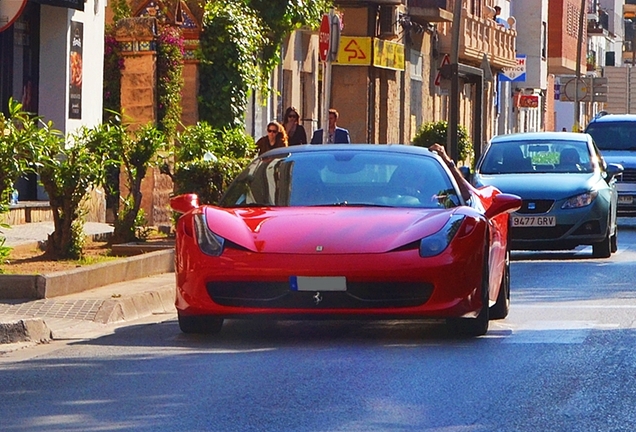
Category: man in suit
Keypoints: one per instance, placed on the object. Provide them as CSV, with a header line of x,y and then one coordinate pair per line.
x,y
337,135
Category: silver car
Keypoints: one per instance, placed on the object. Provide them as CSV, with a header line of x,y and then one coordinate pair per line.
x,y
615,136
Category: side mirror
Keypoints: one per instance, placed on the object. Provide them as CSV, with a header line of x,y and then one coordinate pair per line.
x,y
184,203
503,203
613,170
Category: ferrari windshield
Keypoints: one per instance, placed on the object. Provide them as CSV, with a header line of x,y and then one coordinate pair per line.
x,y
537,156
343,178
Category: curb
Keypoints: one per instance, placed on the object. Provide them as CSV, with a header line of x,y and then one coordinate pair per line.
x,y
25,330
136,306
85,278
17,333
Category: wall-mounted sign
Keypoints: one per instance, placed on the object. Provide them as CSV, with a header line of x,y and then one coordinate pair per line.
x,y
528,101
517,73
388,55
75,72
355,51
70,4
10,10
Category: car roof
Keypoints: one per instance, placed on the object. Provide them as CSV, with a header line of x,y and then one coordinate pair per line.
x,y
388,148
608,118
532,136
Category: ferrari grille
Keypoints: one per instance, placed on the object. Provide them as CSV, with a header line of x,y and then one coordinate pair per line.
x,y
359,295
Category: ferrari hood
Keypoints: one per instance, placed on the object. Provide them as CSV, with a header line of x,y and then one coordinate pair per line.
x,y
335,230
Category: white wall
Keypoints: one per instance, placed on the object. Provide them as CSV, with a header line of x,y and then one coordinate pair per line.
x,y
54,64
529,15
53,87
93,53
564,112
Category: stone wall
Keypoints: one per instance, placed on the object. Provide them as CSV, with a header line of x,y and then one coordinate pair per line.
x,y
139,107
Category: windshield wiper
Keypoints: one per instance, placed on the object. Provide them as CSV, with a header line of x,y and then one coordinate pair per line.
x,y
357,204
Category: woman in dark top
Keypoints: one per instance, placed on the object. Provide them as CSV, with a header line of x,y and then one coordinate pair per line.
x,y
276,137
295,131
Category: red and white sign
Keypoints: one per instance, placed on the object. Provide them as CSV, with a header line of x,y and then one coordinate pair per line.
x,y
529,101
438,77
324,37
10,10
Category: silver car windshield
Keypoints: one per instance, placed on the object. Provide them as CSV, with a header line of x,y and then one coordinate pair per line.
x,y
615,135
537,156
343,178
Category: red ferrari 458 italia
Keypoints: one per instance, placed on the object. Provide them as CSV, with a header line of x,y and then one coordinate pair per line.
x,y
335,231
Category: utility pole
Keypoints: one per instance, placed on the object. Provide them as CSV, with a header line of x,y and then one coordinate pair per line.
x,y
577,105
453,124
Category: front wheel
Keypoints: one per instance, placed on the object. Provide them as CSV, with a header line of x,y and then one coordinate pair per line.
x,y
475,326
202,324
603,249
614,240
501,308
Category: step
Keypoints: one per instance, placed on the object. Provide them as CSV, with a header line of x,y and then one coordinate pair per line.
x,y
26,212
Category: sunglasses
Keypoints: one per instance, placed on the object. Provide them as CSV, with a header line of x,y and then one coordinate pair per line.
x,y
272,131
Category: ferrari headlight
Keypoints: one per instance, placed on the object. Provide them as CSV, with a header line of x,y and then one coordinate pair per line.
x,y
581,200
209,243
436,243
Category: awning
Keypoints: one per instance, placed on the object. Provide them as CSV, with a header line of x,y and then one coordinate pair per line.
x,y
69,4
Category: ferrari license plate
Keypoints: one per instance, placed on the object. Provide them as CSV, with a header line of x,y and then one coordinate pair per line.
x,y
318,283
533,221
625,199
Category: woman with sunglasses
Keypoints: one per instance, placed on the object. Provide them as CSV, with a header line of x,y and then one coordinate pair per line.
x,y
276,137
295,131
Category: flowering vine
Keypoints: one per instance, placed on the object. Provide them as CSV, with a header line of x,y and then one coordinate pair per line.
x,y
113,65
170,50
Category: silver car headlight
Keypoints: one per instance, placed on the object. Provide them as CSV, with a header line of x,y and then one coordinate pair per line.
x,y
209,243
580,200
436,243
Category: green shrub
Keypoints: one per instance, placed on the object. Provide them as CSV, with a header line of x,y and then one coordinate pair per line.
x,y
208,159
68,172
437,132
22,136
138,154
207,179
195,141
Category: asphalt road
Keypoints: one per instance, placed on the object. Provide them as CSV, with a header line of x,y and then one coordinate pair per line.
x,y
562,361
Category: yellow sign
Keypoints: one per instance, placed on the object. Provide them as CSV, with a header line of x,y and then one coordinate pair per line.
x,y
355,51
388,55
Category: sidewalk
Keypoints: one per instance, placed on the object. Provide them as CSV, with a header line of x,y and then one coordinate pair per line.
x,y
33,233
73,315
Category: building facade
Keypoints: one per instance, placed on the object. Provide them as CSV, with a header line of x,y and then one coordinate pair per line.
x,y
51,60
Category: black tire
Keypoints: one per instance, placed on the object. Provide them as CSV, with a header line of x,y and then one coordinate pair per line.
x,y
614,240
201,324
475,326
501,308
603,249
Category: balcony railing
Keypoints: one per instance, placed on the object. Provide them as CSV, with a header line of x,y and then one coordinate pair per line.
x,y
479,36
